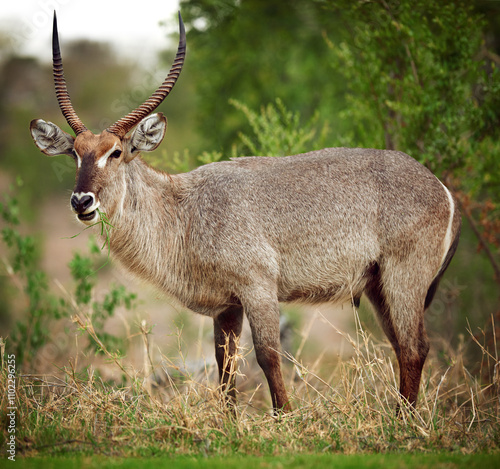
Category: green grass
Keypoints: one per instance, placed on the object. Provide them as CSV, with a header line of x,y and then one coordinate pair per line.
x,y
338,461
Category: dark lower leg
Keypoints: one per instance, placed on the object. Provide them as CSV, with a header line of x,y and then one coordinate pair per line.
x,y
270,362
409,342
411,362
227,331
264,322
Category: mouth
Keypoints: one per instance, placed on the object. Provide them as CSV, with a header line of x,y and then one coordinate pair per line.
x,y
90,216
87,217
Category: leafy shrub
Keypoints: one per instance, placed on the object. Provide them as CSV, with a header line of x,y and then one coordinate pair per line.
x,y
43,308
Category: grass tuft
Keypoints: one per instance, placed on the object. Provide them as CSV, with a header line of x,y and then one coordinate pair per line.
x,y
105,233
163,409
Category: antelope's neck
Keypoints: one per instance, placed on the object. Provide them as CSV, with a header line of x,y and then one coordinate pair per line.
x,y
145,222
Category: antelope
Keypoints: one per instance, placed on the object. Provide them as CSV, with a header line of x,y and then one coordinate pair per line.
x,y
235,238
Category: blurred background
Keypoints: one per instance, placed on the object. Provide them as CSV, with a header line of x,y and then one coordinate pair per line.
x,y
261,77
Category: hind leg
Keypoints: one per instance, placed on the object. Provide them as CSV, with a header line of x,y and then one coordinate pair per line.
x,y
411,362
401,314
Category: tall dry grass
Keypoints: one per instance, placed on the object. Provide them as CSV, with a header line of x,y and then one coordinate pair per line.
x,y
348,408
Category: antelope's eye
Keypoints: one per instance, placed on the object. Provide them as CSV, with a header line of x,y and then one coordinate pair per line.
x,y
116,154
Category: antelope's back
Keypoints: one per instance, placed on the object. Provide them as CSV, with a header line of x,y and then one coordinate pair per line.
x,y
325,189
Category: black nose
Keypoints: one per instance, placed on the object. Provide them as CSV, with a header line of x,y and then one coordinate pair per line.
x,y
81,204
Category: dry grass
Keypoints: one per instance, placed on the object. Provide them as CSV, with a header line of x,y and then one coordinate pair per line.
x,y
348,410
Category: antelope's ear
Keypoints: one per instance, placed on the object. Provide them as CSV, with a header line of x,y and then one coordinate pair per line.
x,y
50,139
147,135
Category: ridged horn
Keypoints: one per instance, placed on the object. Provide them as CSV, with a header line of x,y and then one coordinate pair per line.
x,y
126,123
60,83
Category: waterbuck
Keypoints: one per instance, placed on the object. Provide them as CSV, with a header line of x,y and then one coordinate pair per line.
x,y
238,237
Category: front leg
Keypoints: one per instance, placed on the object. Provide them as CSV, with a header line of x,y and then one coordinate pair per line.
x,y
264,319
227,331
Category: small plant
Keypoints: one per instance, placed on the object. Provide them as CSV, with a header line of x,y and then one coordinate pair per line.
x,y
98,312
278,131
106,227
43,308
85,277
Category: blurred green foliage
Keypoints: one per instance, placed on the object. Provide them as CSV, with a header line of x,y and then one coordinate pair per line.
x,y
27,92
416,85
33,330
83,273
30,333
255,51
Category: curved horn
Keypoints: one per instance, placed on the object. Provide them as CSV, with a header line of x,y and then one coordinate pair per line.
x,y
60,83
121,127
